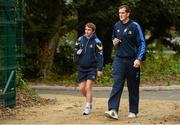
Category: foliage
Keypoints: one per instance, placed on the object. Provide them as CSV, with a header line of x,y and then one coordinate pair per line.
x,y
107,78
158,67
45,24
63,63
45,18
22,86
155,17
159,18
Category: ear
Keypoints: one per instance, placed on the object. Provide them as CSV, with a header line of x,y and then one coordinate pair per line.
x,y
128,14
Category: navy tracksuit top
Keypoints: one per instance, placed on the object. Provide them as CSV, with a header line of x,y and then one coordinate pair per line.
x,y
92,54
133,44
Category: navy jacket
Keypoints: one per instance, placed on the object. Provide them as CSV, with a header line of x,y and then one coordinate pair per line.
x,y
92,54
133,44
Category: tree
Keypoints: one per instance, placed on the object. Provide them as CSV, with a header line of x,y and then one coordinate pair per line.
x,y
159,18
44,26
103,14
47,21
156,17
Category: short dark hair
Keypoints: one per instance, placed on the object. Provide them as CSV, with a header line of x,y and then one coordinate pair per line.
x,y
128,10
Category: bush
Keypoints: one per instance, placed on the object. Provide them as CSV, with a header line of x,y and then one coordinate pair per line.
x,y
160,67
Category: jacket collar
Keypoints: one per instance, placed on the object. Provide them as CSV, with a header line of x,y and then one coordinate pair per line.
x,y
92,37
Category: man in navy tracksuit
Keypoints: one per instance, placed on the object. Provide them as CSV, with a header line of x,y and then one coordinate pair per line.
x,y
90,51
128,38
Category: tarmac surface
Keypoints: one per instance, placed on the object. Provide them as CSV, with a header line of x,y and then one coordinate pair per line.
x,y
149,92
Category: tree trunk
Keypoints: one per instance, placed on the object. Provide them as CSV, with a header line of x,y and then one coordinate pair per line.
x,y
47,50
46,56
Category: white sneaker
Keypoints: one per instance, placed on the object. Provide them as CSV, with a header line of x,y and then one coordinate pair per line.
x,y
111,114
132,115
87,110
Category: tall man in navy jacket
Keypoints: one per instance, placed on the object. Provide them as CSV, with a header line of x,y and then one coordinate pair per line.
x,y
128,38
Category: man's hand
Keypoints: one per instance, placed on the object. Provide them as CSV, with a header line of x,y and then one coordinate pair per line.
x,y
116,41
137,63
99,73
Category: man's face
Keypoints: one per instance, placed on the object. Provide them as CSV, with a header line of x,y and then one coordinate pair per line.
x,y
88,31
123,15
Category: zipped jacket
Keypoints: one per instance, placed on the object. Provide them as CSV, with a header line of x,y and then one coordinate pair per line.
x,y
133,43
92,54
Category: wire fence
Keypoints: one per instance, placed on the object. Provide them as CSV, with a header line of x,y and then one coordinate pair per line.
x,y
11,48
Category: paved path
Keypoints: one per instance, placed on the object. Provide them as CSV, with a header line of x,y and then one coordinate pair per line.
x,y
151,92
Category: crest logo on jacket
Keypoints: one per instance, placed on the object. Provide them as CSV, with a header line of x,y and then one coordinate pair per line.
x,y
125,30
91,46
129,32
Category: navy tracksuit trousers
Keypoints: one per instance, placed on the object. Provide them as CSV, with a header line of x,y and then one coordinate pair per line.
x,y
122,69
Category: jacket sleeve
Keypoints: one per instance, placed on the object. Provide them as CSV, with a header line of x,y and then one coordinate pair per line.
x,y
99,54
141,42
113,34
